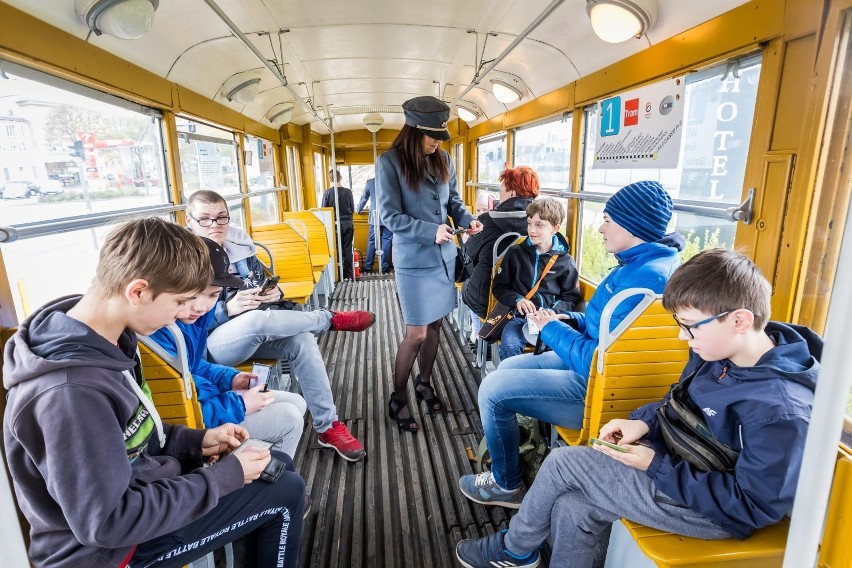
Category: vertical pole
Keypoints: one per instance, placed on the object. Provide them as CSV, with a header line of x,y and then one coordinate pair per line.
x,y
377,225
336,200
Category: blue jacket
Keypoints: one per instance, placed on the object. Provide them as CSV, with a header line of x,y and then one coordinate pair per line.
x,y
764,412
368,194
413,214
219,404
647,265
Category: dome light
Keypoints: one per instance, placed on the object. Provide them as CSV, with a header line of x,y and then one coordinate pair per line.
x,y
374,122
466,113
280,113
615,21
124,19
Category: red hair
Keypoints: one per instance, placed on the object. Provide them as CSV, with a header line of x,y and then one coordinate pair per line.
x,y
522,180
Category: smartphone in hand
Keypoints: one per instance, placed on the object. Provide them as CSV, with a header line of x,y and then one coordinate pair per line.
x,y
608,445
252,444
268,284
262,371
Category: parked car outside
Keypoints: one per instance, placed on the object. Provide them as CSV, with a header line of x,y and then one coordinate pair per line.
x,y
19,189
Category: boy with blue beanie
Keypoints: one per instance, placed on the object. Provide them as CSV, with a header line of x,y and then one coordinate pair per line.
x,y
552,386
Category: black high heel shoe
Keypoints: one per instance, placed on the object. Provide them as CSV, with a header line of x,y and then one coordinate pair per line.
x,y
433,403
395,406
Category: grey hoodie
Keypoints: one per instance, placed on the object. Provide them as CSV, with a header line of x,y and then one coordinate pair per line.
x,y
89,472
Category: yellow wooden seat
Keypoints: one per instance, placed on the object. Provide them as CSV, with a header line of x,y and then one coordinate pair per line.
x,y
317,239
635,364
170,381
292,259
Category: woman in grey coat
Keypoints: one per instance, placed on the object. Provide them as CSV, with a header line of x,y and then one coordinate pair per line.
x,y
417,192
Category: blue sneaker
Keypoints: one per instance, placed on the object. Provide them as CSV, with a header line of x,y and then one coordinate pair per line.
x,y
482,489
490,551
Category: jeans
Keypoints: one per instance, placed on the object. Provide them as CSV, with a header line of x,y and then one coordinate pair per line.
x,y
268,514
387,238
540,386
512,340
281,422
579,492
281,334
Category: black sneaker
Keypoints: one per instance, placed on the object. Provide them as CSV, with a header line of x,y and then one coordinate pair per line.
x,y
490,551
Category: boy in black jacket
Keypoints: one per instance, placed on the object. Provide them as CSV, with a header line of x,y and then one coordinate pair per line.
x,y
523,266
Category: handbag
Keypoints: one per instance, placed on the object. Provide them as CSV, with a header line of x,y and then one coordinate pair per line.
x,y
464,264
501,314
687,435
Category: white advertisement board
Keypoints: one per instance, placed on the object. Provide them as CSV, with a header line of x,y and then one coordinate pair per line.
x,y
641,128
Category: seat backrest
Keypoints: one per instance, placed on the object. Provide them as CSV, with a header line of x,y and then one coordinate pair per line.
x,y
170,380
634,364
504,241
317,232
289,249
836,546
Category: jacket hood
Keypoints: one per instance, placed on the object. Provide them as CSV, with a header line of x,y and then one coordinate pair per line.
x,y
795,356
50,340
560,245
657,248
510,216
238,244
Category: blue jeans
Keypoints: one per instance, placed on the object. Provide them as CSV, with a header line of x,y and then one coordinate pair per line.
x,y
281,334
540,386
387,238
512,340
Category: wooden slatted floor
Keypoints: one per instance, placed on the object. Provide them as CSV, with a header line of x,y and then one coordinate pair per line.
x,y
401,505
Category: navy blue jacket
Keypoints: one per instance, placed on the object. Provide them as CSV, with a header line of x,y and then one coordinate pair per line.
x,y
369,187
764,412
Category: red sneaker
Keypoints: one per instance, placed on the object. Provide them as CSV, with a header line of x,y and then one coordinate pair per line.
x,y
358,320
340,440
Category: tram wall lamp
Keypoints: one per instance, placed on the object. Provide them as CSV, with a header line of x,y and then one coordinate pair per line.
x,y
507,88
615,21
468,111
280,114
241,88
373,122
124,19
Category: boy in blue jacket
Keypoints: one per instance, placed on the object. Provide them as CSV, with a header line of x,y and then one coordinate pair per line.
x,y
552,386
223,392
751,380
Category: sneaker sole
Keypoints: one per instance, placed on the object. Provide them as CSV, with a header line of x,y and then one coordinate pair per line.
x,y
506,504
333,447
466,565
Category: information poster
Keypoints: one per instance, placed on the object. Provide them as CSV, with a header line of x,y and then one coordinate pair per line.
x,y
641,128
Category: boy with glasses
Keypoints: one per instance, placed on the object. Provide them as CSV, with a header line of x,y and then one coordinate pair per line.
x,y
751,381
247,324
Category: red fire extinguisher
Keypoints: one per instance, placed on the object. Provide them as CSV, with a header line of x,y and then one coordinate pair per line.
x,y
356,263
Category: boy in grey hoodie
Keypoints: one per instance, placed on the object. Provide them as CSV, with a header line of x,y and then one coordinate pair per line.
x,y
101,480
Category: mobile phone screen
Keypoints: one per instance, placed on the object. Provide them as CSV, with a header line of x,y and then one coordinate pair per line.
x,y
262,372
253,444
269,284
607,444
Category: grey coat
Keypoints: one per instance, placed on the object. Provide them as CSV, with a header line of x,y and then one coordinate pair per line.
x,y
414,216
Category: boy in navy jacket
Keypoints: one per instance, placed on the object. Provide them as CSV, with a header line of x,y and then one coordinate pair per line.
x,y
752,382
224,393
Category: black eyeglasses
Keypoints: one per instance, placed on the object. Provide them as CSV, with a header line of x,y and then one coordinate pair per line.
x,y
688,328
209,222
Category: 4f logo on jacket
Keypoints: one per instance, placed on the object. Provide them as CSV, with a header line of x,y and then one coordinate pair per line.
x,y
709,411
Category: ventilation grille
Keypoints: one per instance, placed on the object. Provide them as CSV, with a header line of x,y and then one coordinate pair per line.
x,y
340,111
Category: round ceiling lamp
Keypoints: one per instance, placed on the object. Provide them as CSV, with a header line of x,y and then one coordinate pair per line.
x,y
280,113
507,88
467,112
244,92
124,19
615,21
373,122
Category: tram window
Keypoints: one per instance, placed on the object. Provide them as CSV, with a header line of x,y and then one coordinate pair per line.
x,y
718,114
546,148
208,160
68,150
491,158
260,168
294,178
320,177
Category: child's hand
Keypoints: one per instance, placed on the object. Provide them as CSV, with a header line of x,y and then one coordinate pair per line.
x,y
272,295
241,381
254,462
243,301
525,307
636,456
256,400
222,439
622,432
543,317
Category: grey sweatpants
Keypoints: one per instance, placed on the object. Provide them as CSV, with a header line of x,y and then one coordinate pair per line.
x,y
281,422
579,492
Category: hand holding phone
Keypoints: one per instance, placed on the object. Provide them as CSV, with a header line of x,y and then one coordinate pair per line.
x,y
532,327
459,230
268,284
262,372
252,444
615,447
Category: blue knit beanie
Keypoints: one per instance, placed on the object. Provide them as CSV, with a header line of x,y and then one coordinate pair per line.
x,y
643,208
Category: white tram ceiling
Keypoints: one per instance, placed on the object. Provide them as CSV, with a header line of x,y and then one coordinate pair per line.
x,y
342,53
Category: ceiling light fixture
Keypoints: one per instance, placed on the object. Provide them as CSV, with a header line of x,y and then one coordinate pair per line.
x,y
467,112
373,122
507,88
615,21
124,19
244,92
280,113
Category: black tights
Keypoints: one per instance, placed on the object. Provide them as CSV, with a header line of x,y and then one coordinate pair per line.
x,y
421,343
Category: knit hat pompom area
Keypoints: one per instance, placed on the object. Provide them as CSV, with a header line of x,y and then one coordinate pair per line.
x,y
643,208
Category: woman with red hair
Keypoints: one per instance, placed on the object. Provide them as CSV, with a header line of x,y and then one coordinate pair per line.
x,y
518,187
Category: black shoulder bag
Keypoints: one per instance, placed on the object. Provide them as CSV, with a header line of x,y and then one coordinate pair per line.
x,y
464,264
687,435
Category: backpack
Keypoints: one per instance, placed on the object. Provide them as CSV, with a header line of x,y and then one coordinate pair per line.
x,y
532,447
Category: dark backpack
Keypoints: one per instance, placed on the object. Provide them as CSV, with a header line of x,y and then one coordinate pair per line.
x,y
532,447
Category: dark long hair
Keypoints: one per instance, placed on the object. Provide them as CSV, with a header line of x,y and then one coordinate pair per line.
x,y
409,147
